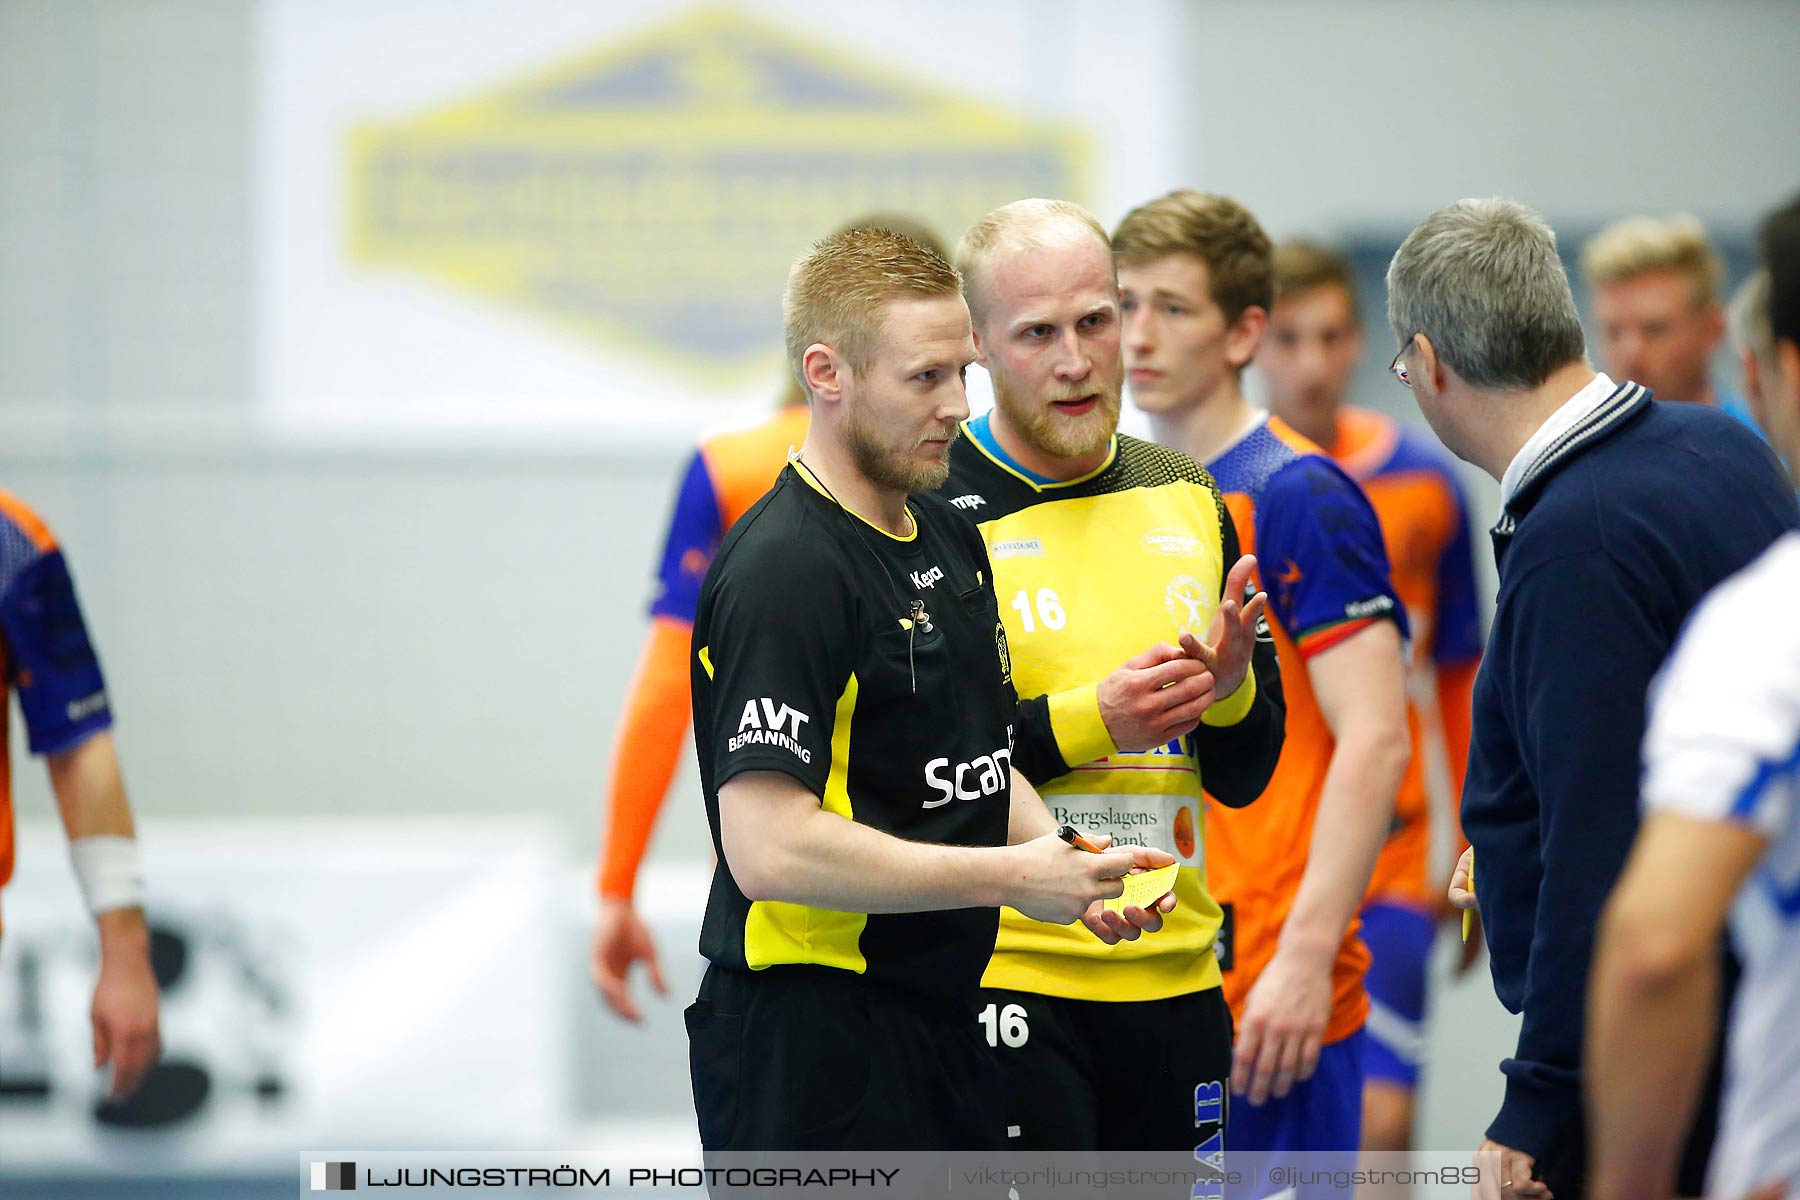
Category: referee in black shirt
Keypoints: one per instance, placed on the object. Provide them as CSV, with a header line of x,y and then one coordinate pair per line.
x,y
853,715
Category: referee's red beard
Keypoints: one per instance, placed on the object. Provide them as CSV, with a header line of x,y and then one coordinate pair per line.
x,y
919,466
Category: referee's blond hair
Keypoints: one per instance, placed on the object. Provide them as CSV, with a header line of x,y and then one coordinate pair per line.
x,y
1641,245
837,290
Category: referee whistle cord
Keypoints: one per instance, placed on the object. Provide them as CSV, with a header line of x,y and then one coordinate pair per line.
x,y
915,613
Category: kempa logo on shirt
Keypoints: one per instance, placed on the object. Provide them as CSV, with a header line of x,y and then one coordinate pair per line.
x,y
1370,607
1017,548
771,726
1175,543
969,501
87,706
924,579
991,772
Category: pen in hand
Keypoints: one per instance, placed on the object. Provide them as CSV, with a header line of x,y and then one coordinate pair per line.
x,y
1075,838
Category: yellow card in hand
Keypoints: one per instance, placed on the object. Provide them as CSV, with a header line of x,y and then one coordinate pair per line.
x,y
1145,888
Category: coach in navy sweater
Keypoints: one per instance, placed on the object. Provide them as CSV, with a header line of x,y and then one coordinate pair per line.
x,y
1618,514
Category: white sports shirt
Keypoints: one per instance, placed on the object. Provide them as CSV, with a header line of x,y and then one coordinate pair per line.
x,y
1723,744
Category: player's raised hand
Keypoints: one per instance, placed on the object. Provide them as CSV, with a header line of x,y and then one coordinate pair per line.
x,y
1155,697
620,939
1231,637
1052,881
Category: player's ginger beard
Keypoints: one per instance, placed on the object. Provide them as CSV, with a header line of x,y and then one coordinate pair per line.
x,y
1037,425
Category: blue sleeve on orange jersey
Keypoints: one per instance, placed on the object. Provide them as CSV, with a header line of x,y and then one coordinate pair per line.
x,y
694,535
1319,547
50,660
1458,624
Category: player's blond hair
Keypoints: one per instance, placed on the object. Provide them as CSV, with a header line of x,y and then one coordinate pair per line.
x,y
837,290
1639,245
1021,225
1220,232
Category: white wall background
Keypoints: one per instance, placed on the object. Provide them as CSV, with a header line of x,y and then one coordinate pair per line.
x,y
406,632
1371,114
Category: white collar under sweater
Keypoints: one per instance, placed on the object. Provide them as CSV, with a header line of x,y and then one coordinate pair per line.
x,y
1574,410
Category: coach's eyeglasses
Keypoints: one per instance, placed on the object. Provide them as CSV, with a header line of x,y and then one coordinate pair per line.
x,y
1398,367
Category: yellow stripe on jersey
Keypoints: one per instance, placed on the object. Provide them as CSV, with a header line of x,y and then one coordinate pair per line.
x,y
706,660
1080,731
777,932
1233,708
802,470
1086,582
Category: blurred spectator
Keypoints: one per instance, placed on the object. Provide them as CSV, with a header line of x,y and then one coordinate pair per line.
x,y
1657,286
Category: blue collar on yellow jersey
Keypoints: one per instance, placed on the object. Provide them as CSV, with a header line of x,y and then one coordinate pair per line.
x,y
981,429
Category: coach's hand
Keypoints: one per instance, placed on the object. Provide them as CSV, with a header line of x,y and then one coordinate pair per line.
x,y
1284,1025
1050,880
1232,635
1155,697
620,939
1506,1174
1462,894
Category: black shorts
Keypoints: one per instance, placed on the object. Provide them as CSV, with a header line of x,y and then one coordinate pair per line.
x,y
814,1058
1110,1075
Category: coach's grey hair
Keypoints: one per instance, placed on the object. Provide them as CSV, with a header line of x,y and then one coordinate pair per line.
x,y
1482,280
1749,318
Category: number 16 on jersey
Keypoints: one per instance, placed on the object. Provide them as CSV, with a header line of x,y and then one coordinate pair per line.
x,y
1005,1026
1049,610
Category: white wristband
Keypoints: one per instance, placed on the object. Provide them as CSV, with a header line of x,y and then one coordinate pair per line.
x,y
109,871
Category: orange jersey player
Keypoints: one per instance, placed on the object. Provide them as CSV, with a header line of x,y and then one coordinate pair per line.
x,y
1328,581
1292,869
1308,360
1424,521
48,661
727,474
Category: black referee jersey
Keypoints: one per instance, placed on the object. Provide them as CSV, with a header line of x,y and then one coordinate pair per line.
x,y
807,661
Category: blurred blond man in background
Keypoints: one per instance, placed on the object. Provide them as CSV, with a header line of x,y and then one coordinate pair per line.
x,y
1658,285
